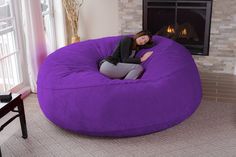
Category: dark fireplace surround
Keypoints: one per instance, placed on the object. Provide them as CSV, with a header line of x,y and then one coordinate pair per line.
x,y
186,21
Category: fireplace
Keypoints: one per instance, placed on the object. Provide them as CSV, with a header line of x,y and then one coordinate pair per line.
x,y
185,21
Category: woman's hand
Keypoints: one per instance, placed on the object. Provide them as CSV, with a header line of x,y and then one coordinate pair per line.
x,y
146,56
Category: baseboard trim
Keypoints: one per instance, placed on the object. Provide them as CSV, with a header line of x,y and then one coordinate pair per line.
x,y
25,92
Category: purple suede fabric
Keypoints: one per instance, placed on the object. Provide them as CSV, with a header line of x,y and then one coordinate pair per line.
x,y
74,95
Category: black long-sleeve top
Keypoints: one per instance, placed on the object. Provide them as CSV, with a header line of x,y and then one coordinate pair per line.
x,y
122,52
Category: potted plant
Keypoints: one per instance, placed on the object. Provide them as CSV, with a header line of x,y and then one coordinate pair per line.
x,y
72,8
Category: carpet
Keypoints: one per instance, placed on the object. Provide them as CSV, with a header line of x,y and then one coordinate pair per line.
x,y
209,132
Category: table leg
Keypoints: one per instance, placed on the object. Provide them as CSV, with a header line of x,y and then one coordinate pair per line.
x,y
22,119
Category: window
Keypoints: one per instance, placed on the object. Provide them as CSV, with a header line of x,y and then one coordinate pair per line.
x,y
48,21
10,69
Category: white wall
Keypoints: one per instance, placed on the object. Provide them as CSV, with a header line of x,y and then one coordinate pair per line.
x,y
98,18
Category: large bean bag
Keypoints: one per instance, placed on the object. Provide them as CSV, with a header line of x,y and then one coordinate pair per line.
x,y
74,95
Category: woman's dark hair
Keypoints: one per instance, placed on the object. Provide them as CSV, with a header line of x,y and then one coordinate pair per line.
x,y
139,34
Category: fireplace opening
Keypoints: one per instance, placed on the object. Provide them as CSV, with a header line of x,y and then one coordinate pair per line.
x,y
185,21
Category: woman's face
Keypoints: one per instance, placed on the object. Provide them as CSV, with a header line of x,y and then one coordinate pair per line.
x,y
142,40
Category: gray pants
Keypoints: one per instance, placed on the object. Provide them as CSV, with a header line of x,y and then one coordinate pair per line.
x,y
127,70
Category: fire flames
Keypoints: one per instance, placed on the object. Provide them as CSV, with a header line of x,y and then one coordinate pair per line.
x,y
179,32
170,29
183,32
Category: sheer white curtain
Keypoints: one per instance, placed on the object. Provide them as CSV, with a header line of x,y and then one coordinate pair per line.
x,y
35,45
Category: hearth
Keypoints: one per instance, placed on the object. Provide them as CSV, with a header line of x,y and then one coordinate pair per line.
x,y
185,21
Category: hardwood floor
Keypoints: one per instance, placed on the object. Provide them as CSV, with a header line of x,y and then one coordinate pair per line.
x,y
219,87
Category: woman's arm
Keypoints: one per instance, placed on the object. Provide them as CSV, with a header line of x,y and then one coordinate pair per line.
x,y
146,56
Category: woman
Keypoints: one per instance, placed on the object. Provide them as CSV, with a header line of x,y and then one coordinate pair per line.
x,y
123,62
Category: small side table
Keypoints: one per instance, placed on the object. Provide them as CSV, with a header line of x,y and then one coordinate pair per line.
x,y
7,107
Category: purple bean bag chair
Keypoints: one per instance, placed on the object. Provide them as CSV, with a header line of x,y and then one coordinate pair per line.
x,y
74,95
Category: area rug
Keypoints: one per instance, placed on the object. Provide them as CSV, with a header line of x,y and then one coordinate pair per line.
x,y
210,131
